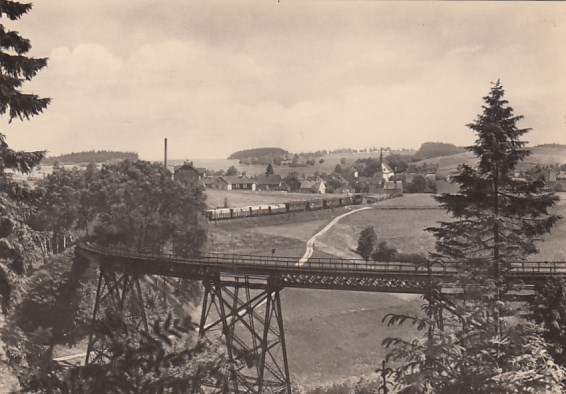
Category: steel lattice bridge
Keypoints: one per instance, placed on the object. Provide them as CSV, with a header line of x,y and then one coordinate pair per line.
x,y
242,298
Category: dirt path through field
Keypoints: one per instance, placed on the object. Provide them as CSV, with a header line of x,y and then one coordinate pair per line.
x,y
311,241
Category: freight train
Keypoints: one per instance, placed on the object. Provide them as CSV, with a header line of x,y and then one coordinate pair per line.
x,y
288,207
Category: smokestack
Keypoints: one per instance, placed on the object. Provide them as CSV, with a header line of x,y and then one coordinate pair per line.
x,y
165,159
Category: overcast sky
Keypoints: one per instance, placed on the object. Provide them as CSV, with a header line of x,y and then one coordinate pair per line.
x,y
216,77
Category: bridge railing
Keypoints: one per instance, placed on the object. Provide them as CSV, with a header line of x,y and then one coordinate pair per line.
x,y
543,267
280,263
273,263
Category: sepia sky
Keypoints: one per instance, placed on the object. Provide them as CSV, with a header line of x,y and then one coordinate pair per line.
x,y
215,77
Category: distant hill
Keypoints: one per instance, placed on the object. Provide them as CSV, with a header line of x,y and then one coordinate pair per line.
x,y
92,156
437,149
539,155
260,156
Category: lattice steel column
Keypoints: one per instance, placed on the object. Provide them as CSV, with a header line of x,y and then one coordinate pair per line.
x,y
118,294
248,314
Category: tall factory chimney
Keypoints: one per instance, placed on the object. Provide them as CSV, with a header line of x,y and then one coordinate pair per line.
x,y
165,158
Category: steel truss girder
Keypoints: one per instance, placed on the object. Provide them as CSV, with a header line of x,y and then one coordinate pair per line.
x,y
118,293
390,284
249,317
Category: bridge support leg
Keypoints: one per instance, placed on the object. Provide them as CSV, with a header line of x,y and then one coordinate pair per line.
x,y
118,294
249,317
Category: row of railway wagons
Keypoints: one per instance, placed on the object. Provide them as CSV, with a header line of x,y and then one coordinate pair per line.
x,y
288,207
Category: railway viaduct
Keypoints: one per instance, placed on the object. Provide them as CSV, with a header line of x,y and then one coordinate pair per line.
x,y
242,297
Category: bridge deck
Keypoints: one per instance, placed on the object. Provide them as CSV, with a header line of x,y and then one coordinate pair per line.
x,y
320,273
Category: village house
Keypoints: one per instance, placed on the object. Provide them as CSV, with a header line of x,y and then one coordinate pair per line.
x,y
393,185
317,187
217,183
351,174
370,184
229,183
208,181
240,183
336,183
270,183
187,173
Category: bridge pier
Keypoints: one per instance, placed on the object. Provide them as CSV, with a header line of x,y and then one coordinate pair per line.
x,y
247,312
116,294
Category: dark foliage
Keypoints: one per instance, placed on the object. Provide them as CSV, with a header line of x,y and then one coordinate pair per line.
x,y
420,184
92,156
292,180
498,220
167,359
366,242
232,171
549,310
269,170
18,245
384,252
260,156
257,152
437,149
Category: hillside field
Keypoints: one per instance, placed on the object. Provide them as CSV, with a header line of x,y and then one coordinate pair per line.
x,y
539,155
334,335
447,164
402,222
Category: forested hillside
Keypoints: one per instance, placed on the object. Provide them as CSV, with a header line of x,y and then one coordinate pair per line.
x,y
435,149
92,156
260,156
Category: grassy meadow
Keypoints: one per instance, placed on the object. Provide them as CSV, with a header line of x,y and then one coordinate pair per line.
x,y
553,245
238,199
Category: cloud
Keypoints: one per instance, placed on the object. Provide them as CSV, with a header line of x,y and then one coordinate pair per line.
x,y
219,77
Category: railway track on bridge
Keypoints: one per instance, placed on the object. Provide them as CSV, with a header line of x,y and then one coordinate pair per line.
x,y
242,297
321,273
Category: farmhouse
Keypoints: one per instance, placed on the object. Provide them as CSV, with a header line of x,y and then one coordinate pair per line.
x,y
337,183
270,183
217,183
229,183
240,183
351,174
317,187
393,185
370,184
186,173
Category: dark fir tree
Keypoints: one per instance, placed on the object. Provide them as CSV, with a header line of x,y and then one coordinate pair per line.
x,y
17,243
15,69
269,170
366,242
497,222
499,219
